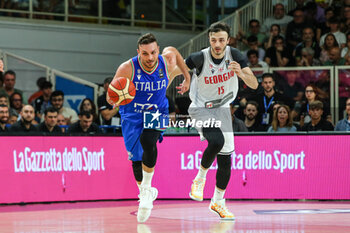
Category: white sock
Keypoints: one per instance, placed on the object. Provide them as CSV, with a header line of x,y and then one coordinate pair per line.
x,y
218,194
202,173
146,179
138,185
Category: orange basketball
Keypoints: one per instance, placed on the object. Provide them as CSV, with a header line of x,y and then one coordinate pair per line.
x,y
121,91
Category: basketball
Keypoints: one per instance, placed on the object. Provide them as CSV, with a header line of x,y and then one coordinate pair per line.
x,y
121,91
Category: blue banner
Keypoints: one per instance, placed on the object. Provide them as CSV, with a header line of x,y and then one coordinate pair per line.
x,y
74,92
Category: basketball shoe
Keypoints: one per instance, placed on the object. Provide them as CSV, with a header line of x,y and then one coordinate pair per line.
x,y
197,189
146,198
220,208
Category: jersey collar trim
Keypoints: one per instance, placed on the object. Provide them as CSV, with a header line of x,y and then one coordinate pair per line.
x,y
148,72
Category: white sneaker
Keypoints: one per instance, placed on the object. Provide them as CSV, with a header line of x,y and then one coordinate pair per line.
x,y
219,207
147,196
197,189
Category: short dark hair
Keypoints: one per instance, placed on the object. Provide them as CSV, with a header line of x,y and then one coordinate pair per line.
x,y
46,85
85,113
251,52
11,72
108,80
3,106
267,75
50,109
278,37
2,95
40,81
316,104
252,39
146,39
218,27
254,21
254,103
56,93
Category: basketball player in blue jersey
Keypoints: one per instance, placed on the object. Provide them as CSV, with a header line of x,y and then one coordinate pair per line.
x,y
213,87
151,74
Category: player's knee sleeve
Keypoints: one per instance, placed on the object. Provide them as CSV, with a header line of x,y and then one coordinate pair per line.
x,y
216,141
223,173
137,169
148,141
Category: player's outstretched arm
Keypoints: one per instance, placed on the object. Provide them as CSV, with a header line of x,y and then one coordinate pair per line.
x,y
175,60
245,74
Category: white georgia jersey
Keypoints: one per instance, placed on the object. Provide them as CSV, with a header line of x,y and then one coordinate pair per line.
x,y
216,85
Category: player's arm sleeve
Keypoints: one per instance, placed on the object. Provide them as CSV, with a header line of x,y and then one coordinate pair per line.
x,y
238,57
195,61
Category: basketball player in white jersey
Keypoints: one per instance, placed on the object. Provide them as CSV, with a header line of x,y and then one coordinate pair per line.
x,y
213,87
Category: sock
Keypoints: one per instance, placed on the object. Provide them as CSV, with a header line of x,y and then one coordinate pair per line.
x,y
146,179
202,173
138,185
218,194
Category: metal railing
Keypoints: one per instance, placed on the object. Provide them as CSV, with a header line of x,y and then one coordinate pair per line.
x,y
63,11
28,71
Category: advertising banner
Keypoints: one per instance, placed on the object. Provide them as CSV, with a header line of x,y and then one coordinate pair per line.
x,y
41,169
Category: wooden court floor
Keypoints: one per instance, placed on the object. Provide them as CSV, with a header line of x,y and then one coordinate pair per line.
x,y
177,216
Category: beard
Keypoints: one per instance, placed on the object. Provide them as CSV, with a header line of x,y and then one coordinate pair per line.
x,y
27,121
3,120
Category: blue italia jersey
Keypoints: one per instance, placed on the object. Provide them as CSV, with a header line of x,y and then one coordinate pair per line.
x,y
150,90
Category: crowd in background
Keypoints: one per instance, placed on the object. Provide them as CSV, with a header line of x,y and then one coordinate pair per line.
x,y
312,34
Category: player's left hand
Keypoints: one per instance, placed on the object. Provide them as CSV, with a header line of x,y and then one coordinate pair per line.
x,y
183,87
236,67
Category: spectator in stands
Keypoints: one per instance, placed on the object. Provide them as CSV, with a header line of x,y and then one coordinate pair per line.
x,y
267,98
88,105
301,110
4,100
85,125
39,83
294,32
323,27
317,123
344,124
254,30
49,126
277,56
253,45
307,42
25,124
275,30
293,88
282,120
339,36
9,84
329,43
61,122
334,58
345,21
41,103
4,117
109,115
237,124
299,6
56,99
308,58
278,17
12,119
251,114
254,61
16,103
345,52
